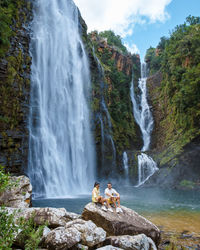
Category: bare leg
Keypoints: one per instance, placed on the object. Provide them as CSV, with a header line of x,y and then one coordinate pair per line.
x,y
100,200
118,200
107,202
113,201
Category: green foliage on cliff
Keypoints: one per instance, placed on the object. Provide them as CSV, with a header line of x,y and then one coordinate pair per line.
x,y
7,11
9,17
178,58
119,105
113,40
14,76
136,67
113,57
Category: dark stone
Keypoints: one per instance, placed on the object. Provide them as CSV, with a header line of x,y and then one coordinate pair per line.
x,y
15,94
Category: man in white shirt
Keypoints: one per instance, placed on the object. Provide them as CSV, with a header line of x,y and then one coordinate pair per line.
x,y
112,196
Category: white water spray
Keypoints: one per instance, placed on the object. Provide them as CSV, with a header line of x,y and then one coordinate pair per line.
x,y
61,156
146,165
125,163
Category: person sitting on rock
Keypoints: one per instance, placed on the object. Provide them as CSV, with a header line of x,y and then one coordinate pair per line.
x,y
96,198
112,196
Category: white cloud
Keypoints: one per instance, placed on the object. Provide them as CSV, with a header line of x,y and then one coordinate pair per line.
x,y
121,15
133,48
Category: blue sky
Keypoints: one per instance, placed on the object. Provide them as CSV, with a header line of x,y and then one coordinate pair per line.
x,y
147,35
140,23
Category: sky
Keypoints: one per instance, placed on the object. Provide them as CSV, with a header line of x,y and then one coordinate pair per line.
x,y
140,23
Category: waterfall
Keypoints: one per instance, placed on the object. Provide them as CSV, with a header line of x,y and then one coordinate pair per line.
x,y
125,163
141,110
61,149
146,168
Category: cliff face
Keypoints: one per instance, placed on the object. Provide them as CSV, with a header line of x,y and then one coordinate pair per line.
x,y
178,162
15,86
158,134
114,125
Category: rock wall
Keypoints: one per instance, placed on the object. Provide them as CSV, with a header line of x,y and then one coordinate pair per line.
x,y
15,87
111,73
178,168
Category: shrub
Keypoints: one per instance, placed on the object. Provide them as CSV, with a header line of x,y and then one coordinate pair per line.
x,y
8,229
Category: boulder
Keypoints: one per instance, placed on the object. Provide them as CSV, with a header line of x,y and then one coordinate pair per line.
x,y
91,235
127,242
55,217
77,231
62,238
127,223
19,195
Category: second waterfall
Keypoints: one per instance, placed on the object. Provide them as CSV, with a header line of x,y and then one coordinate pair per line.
x,y
61,157
141,110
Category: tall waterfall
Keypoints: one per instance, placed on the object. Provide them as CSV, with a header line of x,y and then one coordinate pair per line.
x,y
61,150
141,110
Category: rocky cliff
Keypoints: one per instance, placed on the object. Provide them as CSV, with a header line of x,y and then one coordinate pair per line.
x,y
178,163
114,126
14,83
174,93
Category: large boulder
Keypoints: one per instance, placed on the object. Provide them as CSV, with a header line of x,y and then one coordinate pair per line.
x,y
127,242
62,238
77,231
55,217
127,223
19,195
91,235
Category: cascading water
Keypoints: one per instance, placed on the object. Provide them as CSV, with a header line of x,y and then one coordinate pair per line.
x,y
146,168
61,150
125,164
146,165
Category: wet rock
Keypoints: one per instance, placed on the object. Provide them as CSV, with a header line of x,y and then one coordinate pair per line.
x,y
62,238
136,242
91,235
19,195
127,223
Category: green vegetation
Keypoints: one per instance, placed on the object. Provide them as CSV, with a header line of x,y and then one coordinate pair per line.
x,y
4,179
177,58
15,69
8,229
187,184
30,234
118,66
113,40
7,11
